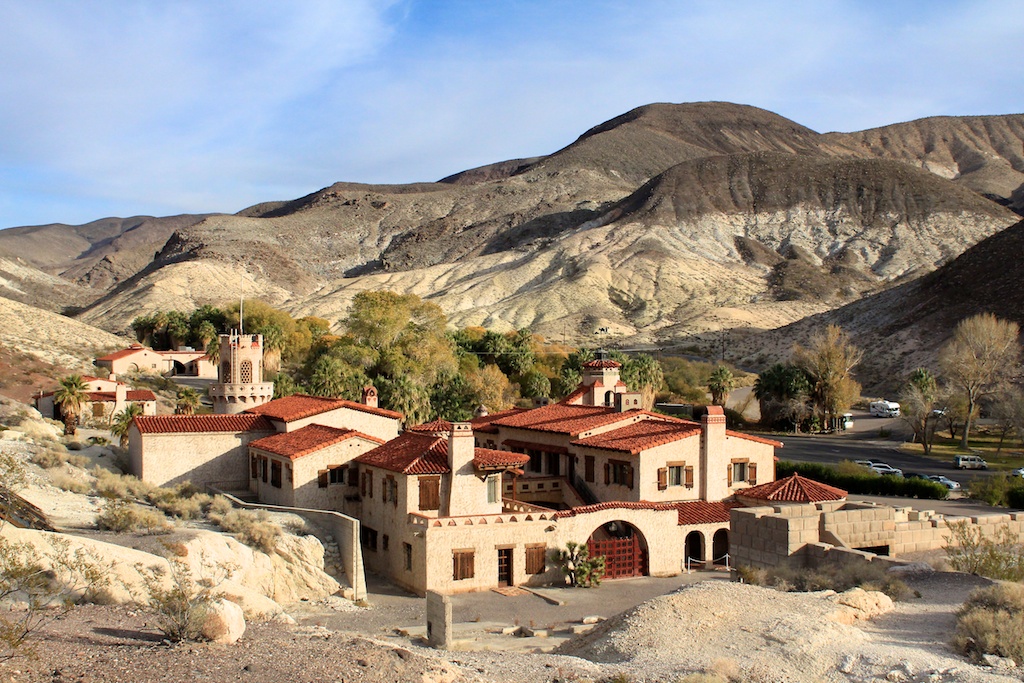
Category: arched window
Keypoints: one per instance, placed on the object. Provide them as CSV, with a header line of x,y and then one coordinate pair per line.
x,y
609,398
245,372
225,372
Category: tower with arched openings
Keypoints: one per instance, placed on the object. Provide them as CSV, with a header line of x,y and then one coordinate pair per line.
x,y
240,384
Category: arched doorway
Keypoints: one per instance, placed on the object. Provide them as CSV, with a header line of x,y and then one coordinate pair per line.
x,y
694,548
178,368
624,549
720,547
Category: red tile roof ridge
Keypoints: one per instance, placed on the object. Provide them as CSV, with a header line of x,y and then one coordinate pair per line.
x,y
489,457
613,505
705,512
602,364
639,436
794,489
307,440
200,424
410,453
123,353
300,406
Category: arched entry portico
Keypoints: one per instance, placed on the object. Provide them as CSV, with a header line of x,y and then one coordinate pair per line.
x,y
720,547
623,547
694,548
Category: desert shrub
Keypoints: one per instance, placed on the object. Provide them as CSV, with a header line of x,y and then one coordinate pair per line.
x,y
74,445
178,600
703,678
863,481
69,482
252,528
79,461
110,485
998,489
838,577
579,568
999,556
49,457
218,508
122,516
99,441
183,500
992,622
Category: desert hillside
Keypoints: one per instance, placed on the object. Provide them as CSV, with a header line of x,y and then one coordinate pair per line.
x,y
663,223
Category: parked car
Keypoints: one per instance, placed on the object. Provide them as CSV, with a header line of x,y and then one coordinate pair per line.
x,y
946,481
884,408
884,468
970,462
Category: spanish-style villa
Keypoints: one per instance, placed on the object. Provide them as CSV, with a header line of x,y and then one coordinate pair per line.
x,y
104,399
474,505
139,359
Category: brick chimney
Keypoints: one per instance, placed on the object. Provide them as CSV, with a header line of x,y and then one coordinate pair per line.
x,y
713,456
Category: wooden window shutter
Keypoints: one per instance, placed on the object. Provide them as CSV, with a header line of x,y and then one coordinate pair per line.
x,y
254,467
353,476
607,473
362,485
688,473
752,473
535,560
728,469
629,476
321,479
662,478
369,484
265,469
430,493
589,468
470,568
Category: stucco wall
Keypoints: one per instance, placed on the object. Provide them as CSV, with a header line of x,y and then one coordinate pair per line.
x,y
204,458
303,489
383,428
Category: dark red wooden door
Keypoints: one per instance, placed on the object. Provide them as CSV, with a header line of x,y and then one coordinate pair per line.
x,y
623,557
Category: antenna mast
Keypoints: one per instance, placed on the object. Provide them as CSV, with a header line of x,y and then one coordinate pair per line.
x,y
241,302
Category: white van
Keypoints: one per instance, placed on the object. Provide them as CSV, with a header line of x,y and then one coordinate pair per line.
x,y
884,408
970,462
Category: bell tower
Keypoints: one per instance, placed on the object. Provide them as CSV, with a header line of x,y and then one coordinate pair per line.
x,y
240,384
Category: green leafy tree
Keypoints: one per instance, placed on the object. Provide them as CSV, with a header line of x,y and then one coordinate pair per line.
x,y
122,422
453,398
205,334
534,384
285,385
829,360
982,355
177,329
144,326
571,373
783,392
720,384
643,373
334,377
407,397
71,397
917,406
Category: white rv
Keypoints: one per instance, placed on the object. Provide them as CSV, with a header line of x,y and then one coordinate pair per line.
x,y
884,408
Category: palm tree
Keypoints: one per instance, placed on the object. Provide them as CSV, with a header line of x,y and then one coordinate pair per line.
x,y
188,401
71,397
720,384
123,421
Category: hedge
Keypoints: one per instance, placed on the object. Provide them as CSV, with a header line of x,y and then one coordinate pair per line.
x,y
865,484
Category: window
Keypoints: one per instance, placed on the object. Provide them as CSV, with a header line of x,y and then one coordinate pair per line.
x,y
618,472
275,474
353,476
554,463
390,490
368,538
535,460
407,556
739,471
322,478
264,470
430,493
493,488
225,372
336,474
254,467
588,468
385,542
98,409
462,564
245,372
535,558
366,484
676,476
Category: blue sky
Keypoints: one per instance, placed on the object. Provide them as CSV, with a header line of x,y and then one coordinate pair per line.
x,y
144,107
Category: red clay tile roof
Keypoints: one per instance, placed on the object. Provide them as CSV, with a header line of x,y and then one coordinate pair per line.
x,y
410,453
640,436
566,419
483,423
123,353
299,406
434,427
178,424
130,395
602,364
309,439
794,489
543,447
751,437
704,512
487,458
613,505
575,395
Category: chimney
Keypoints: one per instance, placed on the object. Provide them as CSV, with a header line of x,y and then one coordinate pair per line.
x,y
713,455
370,396
120,397
463,497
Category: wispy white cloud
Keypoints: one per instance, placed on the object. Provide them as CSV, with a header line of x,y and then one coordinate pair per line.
x,y
197,106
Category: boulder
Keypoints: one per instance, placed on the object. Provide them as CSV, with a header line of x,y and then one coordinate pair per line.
x,y
223,622
865,604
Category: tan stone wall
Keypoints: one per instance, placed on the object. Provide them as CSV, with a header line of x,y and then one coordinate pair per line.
x,y
164,459
384,428
860,527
